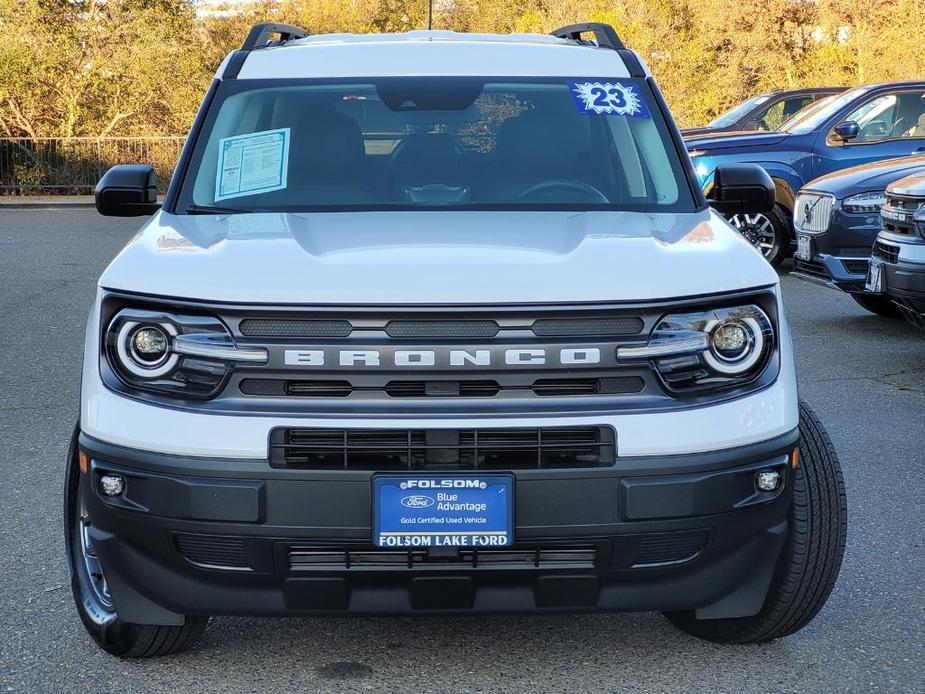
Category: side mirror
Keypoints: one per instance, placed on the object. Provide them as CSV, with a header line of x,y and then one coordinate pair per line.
x,y
741,189
847,130
127,190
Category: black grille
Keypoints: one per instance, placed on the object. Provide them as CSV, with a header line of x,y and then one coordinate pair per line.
x,y
431,328
886,251
443,449
320,558
550,387
442,389
215,552
280,327
575,327
476,388
274,387
670,548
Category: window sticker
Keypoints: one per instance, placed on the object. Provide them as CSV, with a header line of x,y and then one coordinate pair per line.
x,y
608,99
253,163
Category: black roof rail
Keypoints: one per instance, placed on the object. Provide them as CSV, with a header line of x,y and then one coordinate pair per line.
x,y
604,34
259,36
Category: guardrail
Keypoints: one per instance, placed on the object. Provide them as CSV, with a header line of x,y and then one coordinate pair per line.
x,y
56,165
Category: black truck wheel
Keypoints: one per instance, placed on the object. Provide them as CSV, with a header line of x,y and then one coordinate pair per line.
x,y
91,592
812,555
881,305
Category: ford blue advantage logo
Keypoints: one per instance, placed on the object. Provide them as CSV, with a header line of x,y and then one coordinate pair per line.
x,y
417,501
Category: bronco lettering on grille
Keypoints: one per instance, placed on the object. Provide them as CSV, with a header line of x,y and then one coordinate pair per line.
x,y
461,358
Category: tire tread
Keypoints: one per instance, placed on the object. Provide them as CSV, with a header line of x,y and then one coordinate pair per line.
x,y
812,556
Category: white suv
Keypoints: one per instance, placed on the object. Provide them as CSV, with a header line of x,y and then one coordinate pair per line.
x,y
433,323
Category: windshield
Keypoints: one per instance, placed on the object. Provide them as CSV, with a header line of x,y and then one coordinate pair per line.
x,y
409,143
816,114
736,112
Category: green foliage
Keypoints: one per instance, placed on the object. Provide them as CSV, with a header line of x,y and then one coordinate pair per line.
x,y
139,67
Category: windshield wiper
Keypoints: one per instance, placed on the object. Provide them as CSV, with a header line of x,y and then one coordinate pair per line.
x,y
207,209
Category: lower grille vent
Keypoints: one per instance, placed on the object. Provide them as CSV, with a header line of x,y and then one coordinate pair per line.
x,y
670,548
213,552
307,558
443,449
856,267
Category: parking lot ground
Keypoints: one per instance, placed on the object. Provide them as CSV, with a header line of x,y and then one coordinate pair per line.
x,y
864,375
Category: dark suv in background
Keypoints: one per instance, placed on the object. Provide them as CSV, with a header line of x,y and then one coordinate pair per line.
x,y
766,111
837,218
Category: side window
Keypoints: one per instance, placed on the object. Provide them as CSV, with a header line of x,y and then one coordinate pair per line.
x,y
775,116
890,116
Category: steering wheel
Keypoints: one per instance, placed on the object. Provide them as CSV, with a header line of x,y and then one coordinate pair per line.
x,y
545,189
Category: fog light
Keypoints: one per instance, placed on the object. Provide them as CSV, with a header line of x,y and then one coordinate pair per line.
x,y
768,480
112,485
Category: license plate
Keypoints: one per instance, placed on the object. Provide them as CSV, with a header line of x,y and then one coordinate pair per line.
x,y
443,511
804,248
874,283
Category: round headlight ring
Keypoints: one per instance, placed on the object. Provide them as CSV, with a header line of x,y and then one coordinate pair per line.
x,y
133,359
747,357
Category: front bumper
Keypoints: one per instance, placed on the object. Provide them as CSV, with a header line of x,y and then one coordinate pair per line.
x,y
231,537
840,253
902,265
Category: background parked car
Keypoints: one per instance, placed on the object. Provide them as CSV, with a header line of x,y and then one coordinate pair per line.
x,y
897,265
837,218
861,125
766,111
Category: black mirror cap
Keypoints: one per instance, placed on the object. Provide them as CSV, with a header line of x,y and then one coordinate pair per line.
x,y
847,130
127,190
741,189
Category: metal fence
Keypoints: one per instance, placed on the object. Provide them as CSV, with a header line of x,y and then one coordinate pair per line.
x,y
51,165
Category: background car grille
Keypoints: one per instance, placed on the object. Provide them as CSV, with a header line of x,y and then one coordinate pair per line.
x,y
904,227
812,212
886,251
443,449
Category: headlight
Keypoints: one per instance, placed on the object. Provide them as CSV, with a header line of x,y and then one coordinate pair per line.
x,y
865,202
174,354
710,349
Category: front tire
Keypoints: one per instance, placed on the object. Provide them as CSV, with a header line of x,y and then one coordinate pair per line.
x,y
768,232
811,559
880,305
91,593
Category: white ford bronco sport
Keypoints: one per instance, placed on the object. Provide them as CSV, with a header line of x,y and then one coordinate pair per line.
x,y
441,323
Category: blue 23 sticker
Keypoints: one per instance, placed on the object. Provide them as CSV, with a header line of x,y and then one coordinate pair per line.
x,y
608,98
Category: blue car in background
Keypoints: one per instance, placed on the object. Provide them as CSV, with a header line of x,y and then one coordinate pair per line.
x,y
865,124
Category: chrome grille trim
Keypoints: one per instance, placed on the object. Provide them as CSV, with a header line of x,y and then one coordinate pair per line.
x,y
812,212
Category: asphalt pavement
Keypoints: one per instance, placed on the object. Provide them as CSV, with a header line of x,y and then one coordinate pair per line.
x,y
864,375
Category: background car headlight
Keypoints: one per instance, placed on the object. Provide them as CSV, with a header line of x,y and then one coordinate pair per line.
x,y
865,202
172,354
708,350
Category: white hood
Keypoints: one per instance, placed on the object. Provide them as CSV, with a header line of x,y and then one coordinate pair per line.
x,y
440,258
